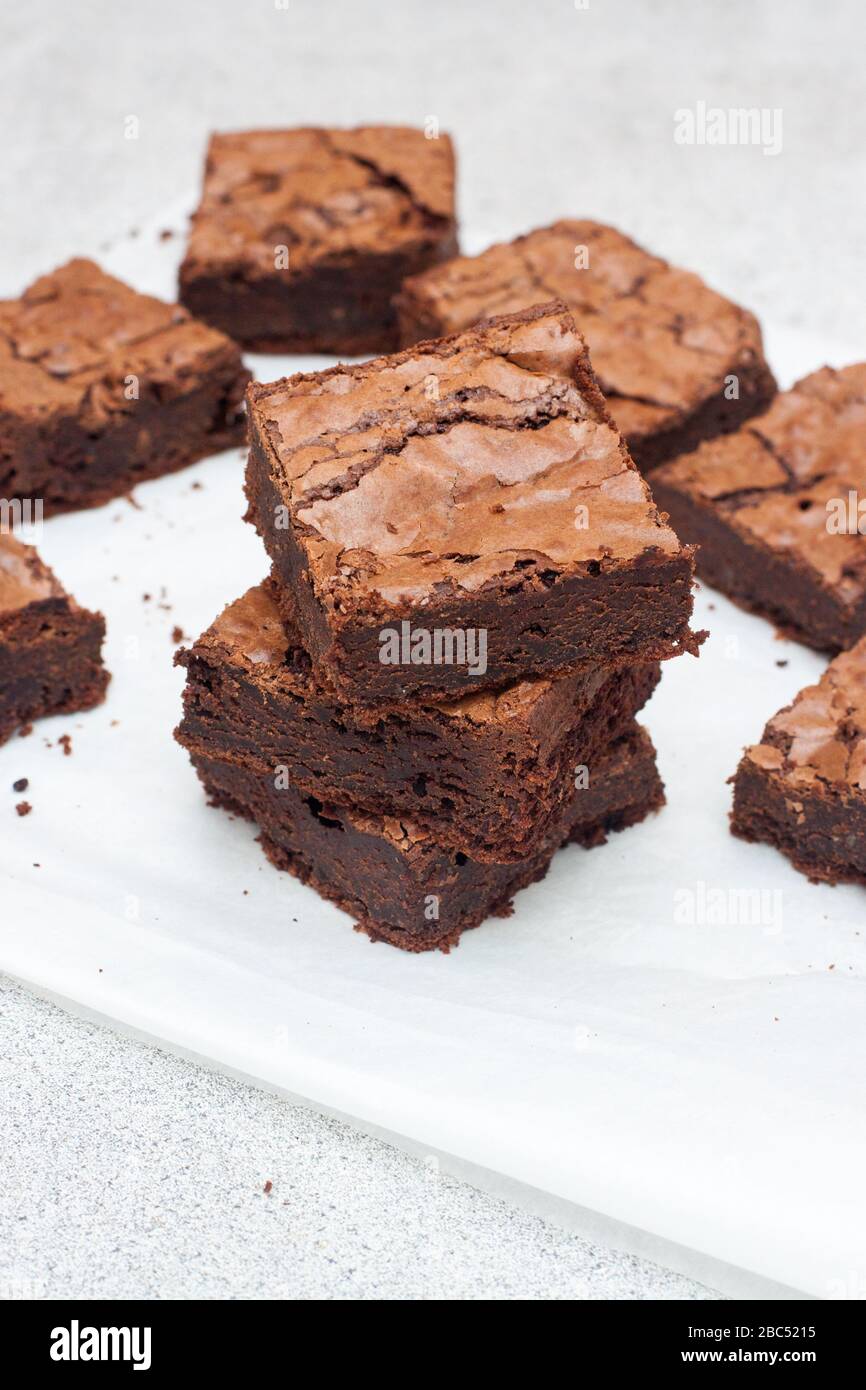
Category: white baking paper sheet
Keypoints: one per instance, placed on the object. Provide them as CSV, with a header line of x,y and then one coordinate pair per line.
x,y
635,1039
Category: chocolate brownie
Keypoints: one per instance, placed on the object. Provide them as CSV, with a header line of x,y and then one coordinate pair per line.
x,y
101,387
778,510
665,347
463,515
303,236
50,659
803,787
392,877
487,773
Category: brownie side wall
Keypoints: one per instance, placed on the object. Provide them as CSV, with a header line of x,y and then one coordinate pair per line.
x,y
821,831
50,663
392,891
290,564
756,578
631,789
490,789
715,416
328,308
69,466
417,320
617,617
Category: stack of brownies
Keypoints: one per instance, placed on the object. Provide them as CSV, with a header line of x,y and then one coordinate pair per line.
x,y
471,590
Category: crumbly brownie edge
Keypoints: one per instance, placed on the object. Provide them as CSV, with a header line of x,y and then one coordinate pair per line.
x,y
821,831
178,432
50,663
292,309
716,416
757,578
630,793
659,593
335,753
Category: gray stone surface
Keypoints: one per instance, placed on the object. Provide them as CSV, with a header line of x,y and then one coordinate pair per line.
x,y
126,1172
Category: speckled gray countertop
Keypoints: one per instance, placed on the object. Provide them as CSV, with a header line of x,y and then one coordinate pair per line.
x,y
129,1173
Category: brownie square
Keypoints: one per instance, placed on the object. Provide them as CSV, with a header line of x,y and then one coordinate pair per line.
x,y
664,346
488,773
399,884
102,387
463,515
50,660
303,237
803,787
776,509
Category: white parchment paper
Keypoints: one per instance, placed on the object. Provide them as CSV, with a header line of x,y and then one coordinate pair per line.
x,y
670,1030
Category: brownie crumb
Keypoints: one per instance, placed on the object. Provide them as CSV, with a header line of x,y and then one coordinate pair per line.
x,y
782,662
268,1187
21,785
177,634
166,234
65,741
24,808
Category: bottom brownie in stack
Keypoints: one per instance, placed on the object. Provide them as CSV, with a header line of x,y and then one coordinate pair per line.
x,y
419,821
392,877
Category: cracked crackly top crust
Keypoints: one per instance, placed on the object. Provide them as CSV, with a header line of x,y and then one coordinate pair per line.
x,y
457,462
661,340
821,737
328,195
75,336
775,480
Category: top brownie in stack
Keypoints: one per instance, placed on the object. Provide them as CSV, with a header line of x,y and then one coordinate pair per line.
x,y
102,387
677,362
778,509
303,236
462,515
